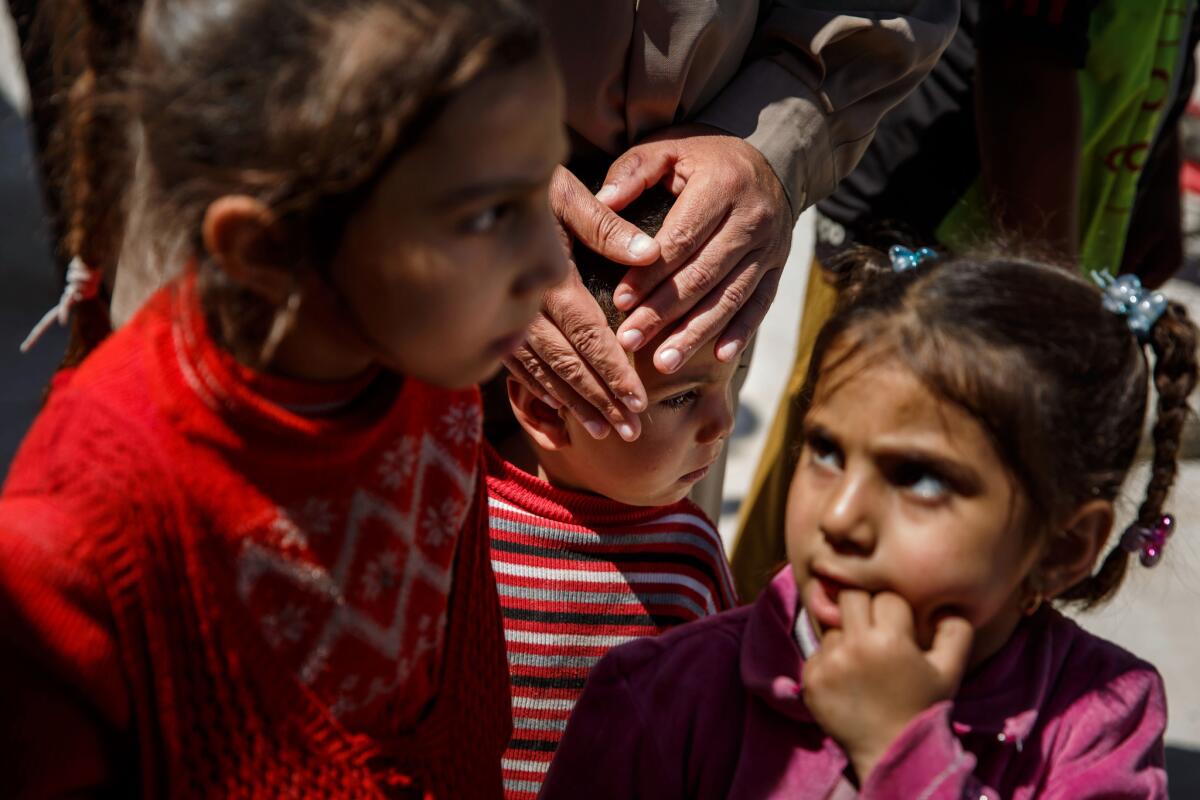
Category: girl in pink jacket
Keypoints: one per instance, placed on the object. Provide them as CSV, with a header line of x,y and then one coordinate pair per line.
x,y
968,426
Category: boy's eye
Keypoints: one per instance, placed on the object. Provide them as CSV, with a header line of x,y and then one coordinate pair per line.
x,y
681,400
920,480
824,452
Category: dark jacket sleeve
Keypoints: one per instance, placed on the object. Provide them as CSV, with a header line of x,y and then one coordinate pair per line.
x,y
818,77
609,748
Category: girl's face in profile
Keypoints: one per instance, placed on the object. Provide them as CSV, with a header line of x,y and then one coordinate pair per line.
x,y
443,267
898,490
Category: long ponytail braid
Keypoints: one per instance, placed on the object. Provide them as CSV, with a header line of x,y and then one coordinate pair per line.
x,y
46,34
75,52
100,159
1173,344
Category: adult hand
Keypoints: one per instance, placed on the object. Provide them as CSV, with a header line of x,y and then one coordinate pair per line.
x,y
724,243
870,678
571,357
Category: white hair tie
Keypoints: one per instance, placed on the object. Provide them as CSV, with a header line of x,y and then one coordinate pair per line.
x,y
82,284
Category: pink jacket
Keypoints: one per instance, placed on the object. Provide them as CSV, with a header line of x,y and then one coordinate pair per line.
x,y
712,709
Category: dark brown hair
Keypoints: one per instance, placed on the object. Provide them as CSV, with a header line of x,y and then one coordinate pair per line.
x,y
647,212
75,53
599,276
1057,381
300,104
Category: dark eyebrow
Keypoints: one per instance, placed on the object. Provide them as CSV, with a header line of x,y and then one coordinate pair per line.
x,y
810,429
460,195
684,380
962,475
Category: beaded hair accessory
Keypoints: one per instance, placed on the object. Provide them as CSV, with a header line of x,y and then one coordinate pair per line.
x,y
1141,308
904,259
1125,295
1148,542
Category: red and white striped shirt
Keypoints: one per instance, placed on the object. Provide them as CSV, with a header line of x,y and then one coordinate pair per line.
x,y
579,574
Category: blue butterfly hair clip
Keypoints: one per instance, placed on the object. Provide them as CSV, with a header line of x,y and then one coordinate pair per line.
x,y
1126,296
904,259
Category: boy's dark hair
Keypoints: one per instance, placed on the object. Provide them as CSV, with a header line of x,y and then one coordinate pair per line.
x,y
648,211
1056,380
598,274
300,104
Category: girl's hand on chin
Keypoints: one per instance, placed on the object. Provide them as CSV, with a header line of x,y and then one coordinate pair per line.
x,y
869,679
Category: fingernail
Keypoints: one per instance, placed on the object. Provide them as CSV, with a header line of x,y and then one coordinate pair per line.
x,y
727,351
640,245
631,339
598,430
670,358
550,401
623,300
607,192
634,403
626,431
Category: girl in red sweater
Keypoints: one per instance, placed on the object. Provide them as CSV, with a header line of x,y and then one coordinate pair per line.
x,y
243,550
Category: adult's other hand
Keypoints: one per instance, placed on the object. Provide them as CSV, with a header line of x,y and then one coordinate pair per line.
x,y
723,243
571,357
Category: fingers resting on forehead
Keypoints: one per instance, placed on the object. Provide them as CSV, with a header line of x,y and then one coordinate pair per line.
x,y
723,244
576,361
595,225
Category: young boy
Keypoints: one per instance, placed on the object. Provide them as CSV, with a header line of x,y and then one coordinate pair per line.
x,y
594,542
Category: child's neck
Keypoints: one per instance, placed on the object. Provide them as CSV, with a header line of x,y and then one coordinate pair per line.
x,y
324,343
519,450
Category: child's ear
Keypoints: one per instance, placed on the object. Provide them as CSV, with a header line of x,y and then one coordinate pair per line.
x,y
544,424
242,234
1072,552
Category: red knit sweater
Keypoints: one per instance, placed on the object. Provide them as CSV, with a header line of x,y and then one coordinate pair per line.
x,y
203,592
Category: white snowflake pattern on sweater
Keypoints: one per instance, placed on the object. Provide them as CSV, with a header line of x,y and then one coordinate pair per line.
x,y
462,424
381,574
398,462
442,521
287,626
369,573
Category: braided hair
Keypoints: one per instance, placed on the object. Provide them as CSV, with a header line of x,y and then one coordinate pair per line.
x,y
75,52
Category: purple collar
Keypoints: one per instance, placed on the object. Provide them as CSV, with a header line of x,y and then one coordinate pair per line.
x,y
1000,698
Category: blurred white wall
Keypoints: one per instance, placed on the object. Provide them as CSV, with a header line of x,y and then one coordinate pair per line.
x,y
12,74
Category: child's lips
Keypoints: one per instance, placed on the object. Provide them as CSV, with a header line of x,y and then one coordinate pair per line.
x,y
822,600
698,474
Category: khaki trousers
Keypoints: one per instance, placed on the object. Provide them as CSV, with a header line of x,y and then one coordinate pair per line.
x,y
759,548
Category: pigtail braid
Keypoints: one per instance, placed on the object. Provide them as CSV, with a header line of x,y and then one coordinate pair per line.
x,y
99,156
1173,342
46,34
